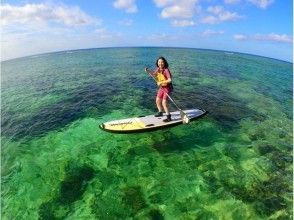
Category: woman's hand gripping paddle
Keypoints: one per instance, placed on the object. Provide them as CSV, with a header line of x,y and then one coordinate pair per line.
x,y
184,116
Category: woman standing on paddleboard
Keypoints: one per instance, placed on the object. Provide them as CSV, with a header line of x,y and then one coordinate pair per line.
x,y
164,81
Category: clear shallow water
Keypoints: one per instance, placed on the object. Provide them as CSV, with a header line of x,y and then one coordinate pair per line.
x,y
235,163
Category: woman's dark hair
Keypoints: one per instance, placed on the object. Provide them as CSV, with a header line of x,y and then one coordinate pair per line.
x,y
164,60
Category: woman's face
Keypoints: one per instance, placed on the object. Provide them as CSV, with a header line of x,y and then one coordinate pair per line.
x,y
160,63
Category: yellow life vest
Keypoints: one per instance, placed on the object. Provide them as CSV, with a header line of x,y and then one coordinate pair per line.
x,y
160,78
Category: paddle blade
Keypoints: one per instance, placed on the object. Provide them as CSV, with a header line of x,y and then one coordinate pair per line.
x,y
185,118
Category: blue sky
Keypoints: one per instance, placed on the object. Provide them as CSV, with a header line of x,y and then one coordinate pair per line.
x,y
260,27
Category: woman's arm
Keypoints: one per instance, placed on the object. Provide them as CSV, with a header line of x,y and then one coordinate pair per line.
x,y
150,72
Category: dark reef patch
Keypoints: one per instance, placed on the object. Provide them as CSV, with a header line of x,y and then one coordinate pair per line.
x,y
60,114
71,190
73,187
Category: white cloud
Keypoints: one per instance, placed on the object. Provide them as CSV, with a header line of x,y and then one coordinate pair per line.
x,y
185,12
240,37
282,38
129,5
180,12
57,39
44,13
218,15
177,11
183,23
181,9
259,3
229,16
262,3
209,32
215,9
210,20
274,37
163,3
38,28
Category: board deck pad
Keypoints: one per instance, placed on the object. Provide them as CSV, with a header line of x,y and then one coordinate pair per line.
x,y
149,123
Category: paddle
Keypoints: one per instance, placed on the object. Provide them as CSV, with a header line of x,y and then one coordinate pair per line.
x,y
184,116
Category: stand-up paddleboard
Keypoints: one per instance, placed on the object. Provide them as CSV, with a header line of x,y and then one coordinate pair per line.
x,y
149,123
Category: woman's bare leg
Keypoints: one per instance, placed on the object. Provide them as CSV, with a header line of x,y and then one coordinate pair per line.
x,y
159,104
165,106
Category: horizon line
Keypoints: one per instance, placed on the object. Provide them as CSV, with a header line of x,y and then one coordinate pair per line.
x,y
121,47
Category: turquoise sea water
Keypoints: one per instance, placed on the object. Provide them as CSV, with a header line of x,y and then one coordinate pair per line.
x,y
234,163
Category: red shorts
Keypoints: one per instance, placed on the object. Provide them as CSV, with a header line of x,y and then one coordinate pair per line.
x,y
161,93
